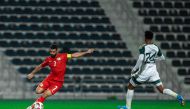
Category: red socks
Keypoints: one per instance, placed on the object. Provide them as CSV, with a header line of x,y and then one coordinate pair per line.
x,y
40,99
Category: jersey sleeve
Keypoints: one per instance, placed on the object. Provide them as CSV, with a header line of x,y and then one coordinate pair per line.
x,y
159,52
139,63
44,63
141,49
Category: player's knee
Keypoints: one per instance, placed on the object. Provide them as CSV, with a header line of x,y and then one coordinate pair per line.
x,y
131,87
160,88
38,91
161,91
47,93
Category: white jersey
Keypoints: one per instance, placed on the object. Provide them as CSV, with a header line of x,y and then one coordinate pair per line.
x,y
147,71
151,52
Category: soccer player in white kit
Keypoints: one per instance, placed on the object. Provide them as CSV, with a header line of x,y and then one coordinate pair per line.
x,y
145,71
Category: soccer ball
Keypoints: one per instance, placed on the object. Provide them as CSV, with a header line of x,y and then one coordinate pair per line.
x,y
37,105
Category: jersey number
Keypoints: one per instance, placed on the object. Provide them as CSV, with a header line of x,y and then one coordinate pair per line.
x,y
54,63
150,57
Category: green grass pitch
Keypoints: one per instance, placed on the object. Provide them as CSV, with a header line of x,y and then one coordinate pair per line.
x,y
92,104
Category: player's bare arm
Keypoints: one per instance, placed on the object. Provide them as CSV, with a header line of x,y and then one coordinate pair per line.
x,y
80,54
37,68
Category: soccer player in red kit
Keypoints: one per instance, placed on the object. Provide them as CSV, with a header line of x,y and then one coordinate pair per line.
x,y
54,81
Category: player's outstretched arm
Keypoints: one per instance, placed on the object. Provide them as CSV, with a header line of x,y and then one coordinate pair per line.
x,y
37,68
80,54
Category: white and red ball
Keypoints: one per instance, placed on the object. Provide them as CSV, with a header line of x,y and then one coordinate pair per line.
x,y
37,105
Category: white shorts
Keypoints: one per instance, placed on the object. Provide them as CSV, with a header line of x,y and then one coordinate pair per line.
x,y
148,75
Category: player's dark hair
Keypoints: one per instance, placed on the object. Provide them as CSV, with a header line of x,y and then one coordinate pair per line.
x,y
54,46
149,35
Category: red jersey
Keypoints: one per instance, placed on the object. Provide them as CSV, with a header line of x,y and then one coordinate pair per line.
x,y
57,66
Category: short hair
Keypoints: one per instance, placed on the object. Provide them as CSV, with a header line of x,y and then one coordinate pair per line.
x,y
149,35
54,46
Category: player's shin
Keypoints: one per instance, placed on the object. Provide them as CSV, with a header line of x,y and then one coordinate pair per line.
x,y
173,94
46,94
129,97
170,93
40,99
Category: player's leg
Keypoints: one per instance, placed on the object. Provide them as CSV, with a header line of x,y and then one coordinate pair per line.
x,y
166,91
129,95
52,89
134,81
42,87
169,92
39,90
46,94
42,98
156,80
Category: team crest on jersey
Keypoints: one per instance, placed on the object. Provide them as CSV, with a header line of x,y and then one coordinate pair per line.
x,y
58,59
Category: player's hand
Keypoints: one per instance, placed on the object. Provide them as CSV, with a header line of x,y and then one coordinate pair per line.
x,y
90,50
134,74
134,70
30,76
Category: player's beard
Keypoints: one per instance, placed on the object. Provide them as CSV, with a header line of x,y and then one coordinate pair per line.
x,y
53,56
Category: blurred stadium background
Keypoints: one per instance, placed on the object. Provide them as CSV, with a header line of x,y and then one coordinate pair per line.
x,y
115,28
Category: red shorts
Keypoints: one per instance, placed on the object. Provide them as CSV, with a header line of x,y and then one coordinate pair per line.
x,y
51,85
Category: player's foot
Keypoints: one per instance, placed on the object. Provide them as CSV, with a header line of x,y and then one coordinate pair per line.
x,y
181,100
122,107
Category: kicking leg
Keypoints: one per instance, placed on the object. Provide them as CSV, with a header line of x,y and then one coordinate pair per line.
x,y
46,94
41,99
42,89
49,92
171,93
39,90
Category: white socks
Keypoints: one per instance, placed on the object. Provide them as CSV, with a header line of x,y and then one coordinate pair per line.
x,y
130,93
170,92
129,98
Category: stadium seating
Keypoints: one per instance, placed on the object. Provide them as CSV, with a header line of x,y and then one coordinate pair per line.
x,y
169,19
29,27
